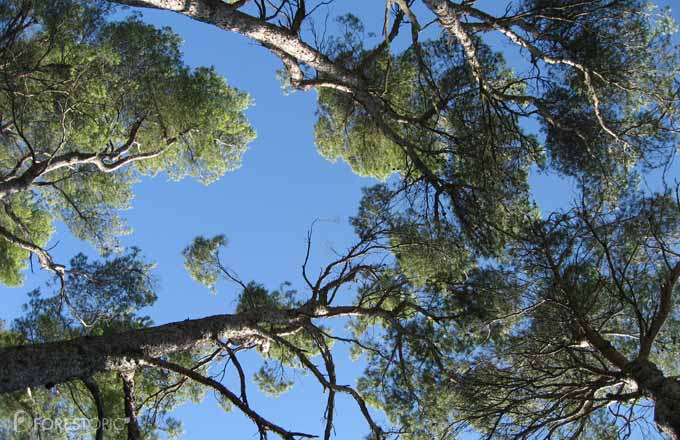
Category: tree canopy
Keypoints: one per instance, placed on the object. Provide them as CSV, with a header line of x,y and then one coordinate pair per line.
x,y
87,107
471,309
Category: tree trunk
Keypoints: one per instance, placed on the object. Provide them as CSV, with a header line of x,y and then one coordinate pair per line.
x,y
92,386
664,391
56,362
52,363
128,377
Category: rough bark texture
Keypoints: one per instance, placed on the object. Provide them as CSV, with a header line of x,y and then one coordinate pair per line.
x,y
52,363
133,430
224,16
650,379
665,392
292,50
57,362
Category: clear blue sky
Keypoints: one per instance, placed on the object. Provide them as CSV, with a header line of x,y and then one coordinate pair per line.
x,y
264,208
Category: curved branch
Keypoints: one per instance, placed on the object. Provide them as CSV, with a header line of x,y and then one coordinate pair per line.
x,y
260,421
93,388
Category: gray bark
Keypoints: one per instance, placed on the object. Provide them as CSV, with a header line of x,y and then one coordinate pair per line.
x,y
665,391
291,50
128,377
57,362
224,16
52,363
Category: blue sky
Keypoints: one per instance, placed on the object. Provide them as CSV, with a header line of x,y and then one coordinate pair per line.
x,y
264,208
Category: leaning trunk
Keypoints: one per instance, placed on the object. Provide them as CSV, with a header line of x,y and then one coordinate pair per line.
x,y
665,392
57,362
667,412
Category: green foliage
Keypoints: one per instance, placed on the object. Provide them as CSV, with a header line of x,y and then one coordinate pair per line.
x,y
256,296
88,202
601,267
21,217
73,404
79,89
633,78
201,259
345,130
271,379
106,295
467,308
478,152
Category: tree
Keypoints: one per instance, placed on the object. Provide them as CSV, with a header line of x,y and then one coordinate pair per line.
x,y
470,307
280,325
580,321
598,332
447,113
103,299
88,107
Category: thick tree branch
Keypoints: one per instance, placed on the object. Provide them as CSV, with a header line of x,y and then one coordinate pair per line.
x,y
57,362
48,364
662,313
